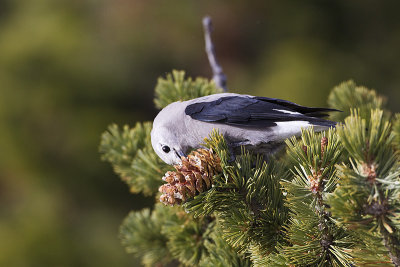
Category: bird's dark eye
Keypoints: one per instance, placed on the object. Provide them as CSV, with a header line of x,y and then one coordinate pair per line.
x,y
166,149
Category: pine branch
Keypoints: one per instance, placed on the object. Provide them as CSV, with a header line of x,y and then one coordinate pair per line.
x,y
368,196
392,243
396,131
141,234
187,237
175,87
218,74
348,95
167,235
246,199
220,253
132,157
313,234
260,258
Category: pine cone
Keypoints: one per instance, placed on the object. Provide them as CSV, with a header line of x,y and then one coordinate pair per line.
x,y
191,177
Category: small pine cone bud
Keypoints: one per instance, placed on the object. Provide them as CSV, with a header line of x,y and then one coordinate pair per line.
x,y
193,176
314,183
324,144
324,141
369,171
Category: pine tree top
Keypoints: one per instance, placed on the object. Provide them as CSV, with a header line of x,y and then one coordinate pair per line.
x,y
330,199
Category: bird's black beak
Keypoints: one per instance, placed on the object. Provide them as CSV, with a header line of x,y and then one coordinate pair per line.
x,y
180,154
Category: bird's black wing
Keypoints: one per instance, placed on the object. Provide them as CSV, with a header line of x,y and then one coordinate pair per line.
x,y
248,111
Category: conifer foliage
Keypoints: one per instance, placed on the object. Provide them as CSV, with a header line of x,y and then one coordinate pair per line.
x,y
132,158
176,88
331,199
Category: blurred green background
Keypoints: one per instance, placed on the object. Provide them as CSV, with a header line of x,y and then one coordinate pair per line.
x,y
68,68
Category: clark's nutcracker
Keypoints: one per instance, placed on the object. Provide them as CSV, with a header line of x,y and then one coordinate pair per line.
x,y
260,124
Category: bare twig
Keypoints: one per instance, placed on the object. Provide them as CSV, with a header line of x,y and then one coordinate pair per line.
x,y
218,74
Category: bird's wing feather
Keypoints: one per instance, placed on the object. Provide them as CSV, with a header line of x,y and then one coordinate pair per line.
x,y
248,111
296,107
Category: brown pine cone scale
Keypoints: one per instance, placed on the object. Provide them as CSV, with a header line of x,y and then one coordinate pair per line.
x,y
193,176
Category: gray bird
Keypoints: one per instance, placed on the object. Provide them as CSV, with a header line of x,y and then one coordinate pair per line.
x,y
260,124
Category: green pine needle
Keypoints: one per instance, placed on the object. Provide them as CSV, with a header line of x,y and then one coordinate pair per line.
x,y
175,87
260,258
311,156
369,143
396,131
141,235
187,236
348,95
221,254
132,157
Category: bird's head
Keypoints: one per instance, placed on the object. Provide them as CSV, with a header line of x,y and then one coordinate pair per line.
x,y
168,134
166,145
